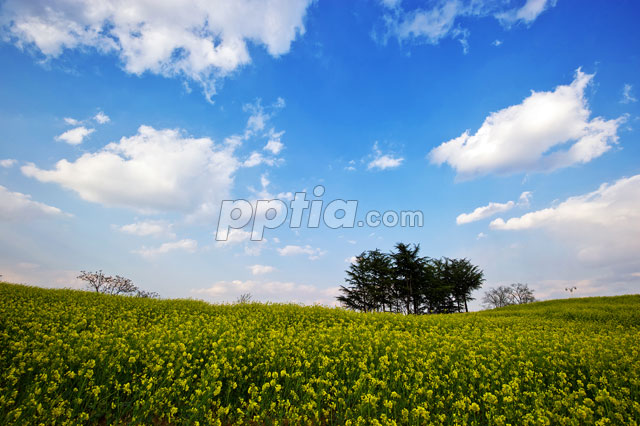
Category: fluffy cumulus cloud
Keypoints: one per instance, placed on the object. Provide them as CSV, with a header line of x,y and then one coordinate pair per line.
x,y
601,226
101,117
200,40
261,269
441,19
15,206
166,170
75,136
547,131
153,170
381,161
235,236
146,228
294,250
186,245
269,291
7,163
492,209
274,144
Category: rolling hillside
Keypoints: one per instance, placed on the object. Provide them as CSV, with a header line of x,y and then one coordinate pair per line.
x,y
69,357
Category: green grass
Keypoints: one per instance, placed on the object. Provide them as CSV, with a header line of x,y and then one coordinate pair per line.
x,y
71,357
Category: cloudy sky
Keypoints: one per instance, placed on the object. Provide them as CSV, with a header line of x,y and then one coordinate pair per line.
x,y
512,124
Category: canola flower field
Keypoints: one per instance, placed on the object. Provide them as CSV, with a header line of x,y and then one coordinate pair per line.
x,y
72,357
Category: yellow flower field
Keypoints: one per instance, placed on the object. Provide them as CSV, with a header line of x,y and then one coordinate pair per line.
x,y
71,357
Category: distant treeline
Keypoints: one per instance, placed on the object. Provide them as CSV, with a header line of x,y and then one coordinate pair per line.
x,y
405,282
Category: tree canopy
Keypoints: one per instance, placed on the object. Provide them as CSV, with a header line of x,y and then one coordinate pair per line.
x,y
402,281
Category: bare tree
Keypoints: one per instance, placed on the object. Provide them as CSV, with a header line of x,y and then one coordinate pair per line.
x,y
515,294
118,285
147,294
244,298
497,297
96,280
521,294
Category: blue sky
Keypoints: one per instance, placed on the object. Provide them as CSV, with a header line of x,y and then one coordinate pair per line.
x,y
124,129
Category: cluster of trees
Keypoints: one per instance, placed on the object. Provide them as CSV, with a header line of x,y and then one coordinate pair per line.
x,y
515,294
106,284
405,282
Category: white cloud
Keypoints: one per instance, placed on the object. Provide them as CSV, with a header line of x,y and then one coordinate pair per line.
x,y
239,236
390,3
352,259
256,158
481,235
71,121
258,118
254,248
155,228
492,209
101,117
497,43
484,212
525,199
257,126
428,24
627,95
33,274
274,145
7,163
201,41
75,136
382,161
601,226
441,19
533,135
351,166
187,245
270,291
261,269
15,206
235,236
525,14
153,170
293,250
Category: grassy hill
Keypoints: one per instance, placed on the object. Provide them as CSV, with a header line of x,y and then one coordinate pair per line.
x,y
69,357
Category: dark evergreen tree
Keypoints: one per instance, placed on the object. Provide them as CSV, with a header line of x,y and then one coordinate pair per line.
x,y
369,282
464,278
408,273
405,282
440,296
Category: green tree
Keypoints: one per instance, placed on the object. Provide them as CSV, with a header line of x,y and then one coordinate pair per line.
x,y
405,282
368,283
409,277
440,297
466,278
